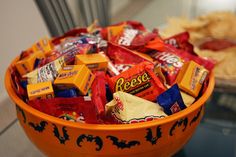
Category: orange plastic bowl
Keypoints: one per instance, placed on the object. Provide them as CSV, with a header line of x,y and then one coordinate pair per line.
x,y
57,137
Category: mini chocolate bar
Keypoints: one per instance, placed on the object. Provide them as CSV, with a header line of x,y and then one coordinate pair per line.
x,y
42,90
78,76
44,45
94,61
171,100
26,65
191,77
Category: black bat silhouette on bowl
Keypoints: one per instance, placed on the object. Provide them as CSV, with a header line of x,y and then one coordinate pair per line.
x,y
178,124
149,137
122,143
90,138
63,138
38,127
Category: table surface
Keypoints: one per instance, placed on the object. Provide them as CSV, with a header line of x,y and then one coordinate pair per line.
x,y
215,136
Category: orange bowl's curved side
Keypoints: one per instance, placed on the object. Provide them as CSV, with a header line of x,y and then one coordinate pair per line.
x,y
57,137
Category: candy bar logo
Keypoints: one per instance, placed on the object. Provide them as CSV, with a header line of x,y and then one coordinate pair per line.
x,y
172,42
170,59
123,85
92,66
129,35
175,108
119,104
68,67
67,74
195,76
39,90
204,75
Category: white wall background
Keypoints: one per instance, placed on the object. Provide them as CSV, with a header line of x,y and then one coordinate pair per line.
x,y
20,26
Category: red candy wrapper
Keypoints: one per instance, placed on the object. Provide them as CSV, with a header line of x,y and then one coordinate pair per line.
x,y
59,106
139,80
99,92
122,55
172,59
181,41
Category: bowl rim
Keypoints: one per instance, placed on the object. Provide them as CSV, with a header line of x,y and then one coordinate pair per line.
x,y
106,127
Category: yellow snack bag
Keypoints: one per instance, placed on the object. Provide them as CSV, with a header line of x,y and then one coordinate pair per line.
x,y
127,108
42,90
26,64
92,61
191,78
78,76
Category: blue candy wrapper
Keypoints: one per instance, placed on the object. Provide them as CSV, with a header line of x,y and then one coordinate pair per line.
x,y
66,93
171,100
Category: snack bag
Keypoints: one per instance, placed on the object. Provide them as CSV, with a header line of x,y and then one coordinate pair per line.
x,y
172,59
139,80
122,55
60,106
181,41
127,108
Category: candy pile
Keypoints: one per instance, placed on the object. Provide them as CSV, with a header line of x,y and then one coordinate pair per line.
x,y
118,74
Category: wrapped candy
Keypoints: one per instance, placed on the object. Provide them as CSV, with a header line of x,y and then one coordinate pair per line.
x,y
126,108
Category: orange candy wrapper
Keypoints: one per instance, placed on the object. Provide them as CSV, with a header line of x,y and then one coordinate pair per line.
x,y
139,80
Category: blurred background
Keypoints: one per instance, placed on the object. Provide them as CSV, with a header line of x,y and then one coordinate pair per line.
x,y
26,21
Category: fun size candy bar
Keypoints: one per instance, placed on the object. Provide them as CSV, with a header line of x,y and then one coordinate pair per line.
x,y
92,61
26,64
171,100
191,77
78,76
42,90
139,80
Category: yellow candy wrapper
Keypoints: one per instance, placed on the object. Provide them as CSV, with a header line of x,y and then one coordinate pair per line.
x,y
191,78
42,90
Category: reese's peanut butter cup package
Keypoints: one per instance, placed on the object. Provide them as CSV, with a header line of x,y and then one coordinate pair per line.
x,y
139,80
127,108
